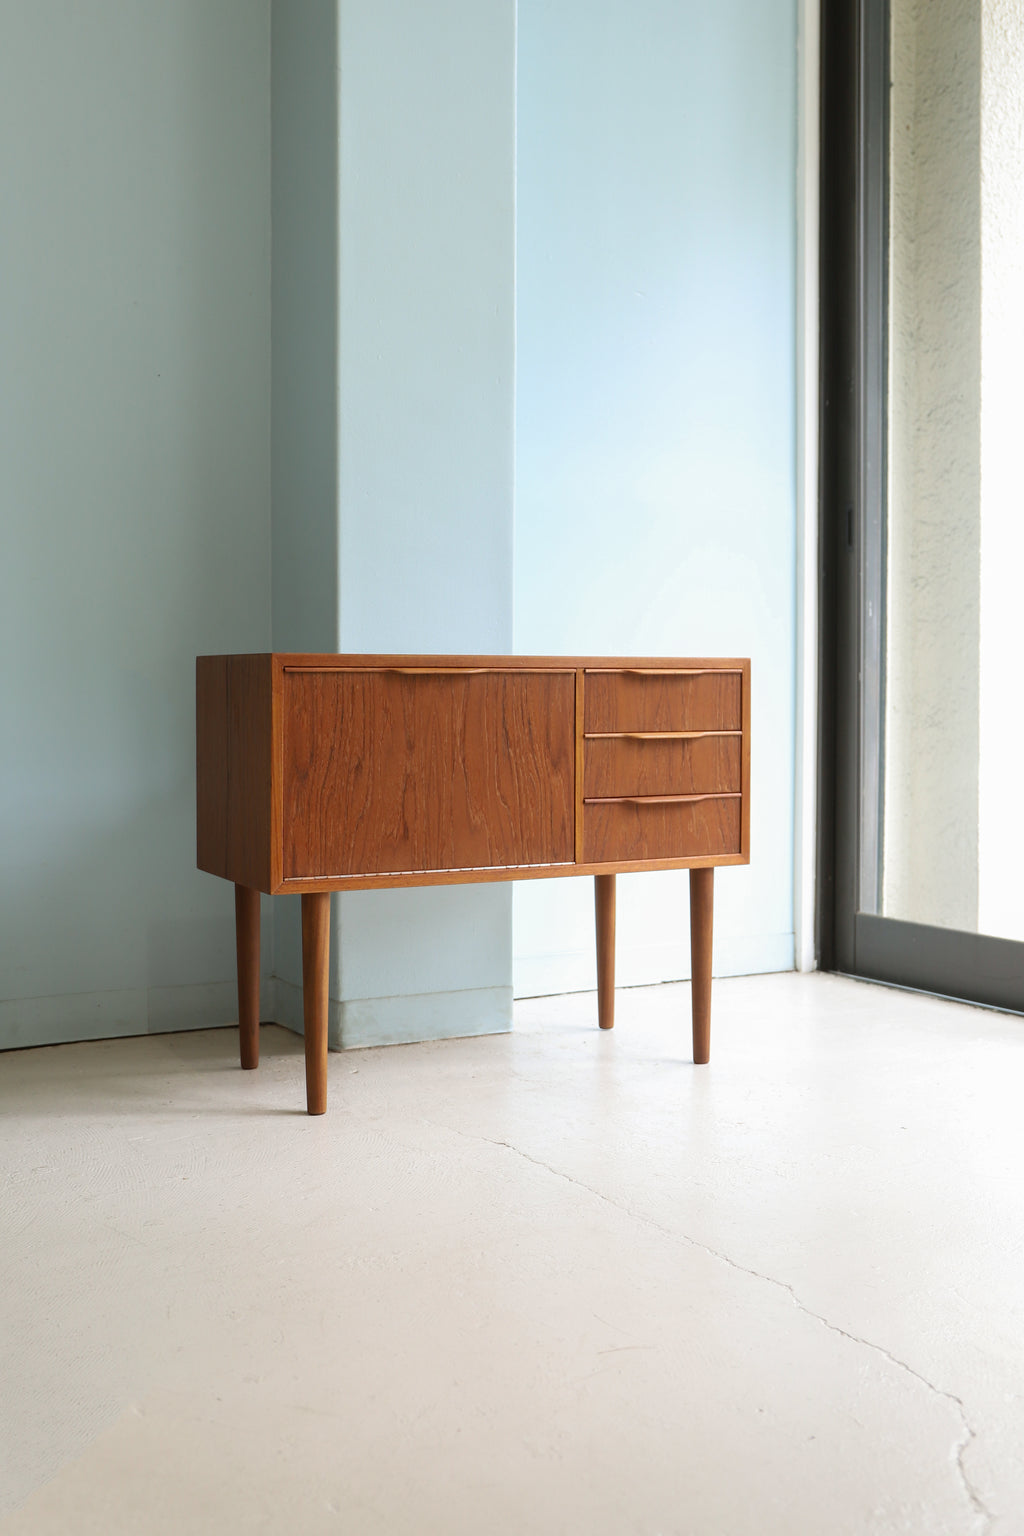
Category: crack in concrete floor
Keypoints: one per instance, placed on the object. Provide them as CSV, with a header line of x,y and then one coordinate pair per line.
x,y
969,1435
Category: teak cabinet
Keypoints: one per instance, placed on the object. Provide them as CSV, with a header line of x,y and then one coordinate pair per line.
x,y
337,773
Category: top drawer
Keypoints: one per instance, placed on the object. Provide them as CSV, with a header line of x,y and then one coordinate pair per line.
x,y
662,701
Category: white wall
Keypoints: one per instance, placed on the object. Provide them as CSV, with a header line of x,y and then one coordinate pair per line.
x,y
655,503
134,491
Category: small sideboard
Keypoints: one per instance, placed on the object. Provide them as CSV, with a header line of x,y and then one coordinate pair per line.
x,y
321,773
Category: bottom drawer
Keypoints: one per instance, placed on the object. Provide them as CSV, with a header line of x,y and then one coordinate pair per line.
x,y
621,830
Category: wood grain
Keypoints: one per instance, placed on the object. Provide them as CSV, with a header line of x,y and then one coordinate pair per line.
x,y
745,776
212,764
317,773
578,789
604,925
387,771
661,766
378,660
276,774
495,873
702,898
239,747
615,831
632,700
316,951
247,955
234,837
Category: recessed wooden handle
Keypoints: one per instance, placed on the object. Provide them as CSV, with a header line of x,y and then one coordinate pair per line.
x,y
669,671
402,671
432,671
655,735
657,799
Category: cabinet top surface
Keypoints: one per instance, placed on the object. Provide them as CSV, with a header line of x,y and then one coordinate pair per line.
x,y
329,659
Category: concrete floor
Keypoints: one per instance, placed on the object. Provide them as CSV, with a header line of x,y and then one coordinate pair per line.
x,y
551,1282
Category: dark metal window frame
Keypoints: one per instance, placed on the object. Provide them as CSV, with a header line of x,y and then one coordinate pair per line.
x,y
853,937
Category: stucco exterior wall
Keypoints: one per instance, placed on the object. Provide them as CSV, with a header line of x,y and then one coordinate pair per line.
x,y
1001,818
953,839
931,724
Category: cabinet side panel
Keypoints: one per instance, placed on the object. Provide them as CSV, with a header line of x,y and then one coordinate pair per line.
x,y
387,771
212,764
249,770
745,830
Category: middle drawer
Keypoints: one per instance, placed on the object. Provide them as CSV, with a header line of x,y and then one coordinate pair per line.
x,y
624,765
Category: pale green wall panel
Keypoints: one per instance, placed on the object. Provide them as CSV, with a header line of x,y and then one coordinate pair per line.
x,y
134,489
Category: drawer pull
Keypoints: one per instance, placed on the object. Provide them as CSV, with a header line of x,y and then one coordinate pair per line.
x,y
655,735
402,671
667,671
660,799
432,671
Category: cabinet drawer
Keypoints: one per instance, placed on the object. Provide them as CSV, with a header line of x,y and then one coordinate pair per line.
x,y
680,766
623,830
659,701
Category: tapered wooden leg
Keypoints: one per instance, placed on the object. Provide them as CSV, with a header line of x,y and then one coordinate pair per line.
x,y
604,916
702,903
316,949
247,951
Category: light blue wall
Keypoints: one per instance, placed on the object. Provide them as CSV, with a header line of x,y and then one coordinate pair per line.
x,y
656,410
134,490
427,368
427,321
655,442
424,295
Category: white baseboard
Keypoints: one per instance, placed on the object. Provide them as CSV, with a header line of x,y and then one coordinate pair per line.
x,y
28,1021
420,1016
366,1021
111,1015
284,1006
647,965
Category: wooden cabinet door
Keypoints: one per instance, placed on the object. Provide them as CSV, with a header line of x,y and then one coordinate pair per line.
x,y
402,770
